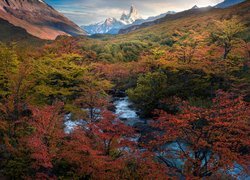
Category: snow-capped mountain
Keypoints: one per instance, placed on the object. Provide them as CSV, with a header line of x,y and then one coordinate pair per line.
x,y
104,27
195,7
113,25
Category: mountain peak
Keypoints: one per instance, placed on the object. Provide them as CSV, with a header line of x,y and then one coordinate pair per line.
x,y
133,9
41,1
195,7
110,21
131,17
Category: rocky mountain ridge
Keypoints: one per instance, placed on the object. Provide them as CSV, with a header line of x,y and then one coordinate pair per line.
x,y
113,25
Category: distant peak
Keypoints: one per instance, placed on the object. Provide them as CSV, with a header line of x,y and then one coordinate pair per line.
x,y
109,20
132,16
132,8
195,7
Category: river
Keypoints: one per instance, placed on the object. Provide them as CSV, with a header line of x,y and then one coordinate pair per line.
x,y
123,110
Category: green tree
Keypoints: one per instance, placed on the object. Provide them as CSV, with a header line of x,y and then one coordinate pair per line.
x,y
150,89
225,34
57,79
8,66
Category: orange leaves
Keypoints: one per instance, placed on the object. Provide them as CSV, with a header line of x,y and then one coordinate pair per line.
x,y
119,71
40,153
44,143
113,134
48,121
79,151
220,131
3,125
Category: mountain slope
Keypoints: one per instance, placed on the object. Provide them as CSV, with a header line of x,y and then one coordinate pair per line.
x,y
228,3
11,33
170,16
150,19
38,18
191,19
19,36
192,14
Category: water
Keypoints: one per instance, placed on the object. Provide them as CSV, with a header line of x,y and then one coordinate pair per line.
x,y
71,125
125,112
123,109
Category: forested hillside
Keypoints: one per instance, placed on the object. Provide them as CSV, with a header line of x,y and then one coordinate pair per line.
x,y
186,77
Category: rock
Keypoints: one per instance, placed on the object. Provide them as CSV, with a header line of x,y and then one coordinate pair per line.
x,y
111,108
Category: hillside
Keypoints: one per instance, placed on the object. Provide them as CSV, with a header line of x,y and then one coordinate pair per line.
x,y
228,3
13,34
200,15
38,18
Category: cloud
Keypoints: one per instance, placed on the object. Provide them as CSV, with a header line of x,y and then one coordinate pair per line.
x,y
92,11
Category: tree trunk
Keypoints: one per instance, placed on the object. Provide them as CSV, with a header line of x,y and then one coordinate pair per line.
x,y
227,50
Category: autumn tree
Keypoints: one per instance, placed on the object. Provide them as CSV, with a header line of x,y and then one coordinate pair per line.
x,y
205,142
225,34
97,148
93,96
15,159
186,45
45,142
112,133
105,150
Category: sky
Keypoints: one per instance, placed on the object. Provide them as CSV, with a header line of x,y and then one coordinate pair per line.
x,y
84,12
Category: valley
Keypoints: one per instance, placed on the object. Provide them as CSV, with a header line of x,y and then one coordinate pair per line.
x,y
166,97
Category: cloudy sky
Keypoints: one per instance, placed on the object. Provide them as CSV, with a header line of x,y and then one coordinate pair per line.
x,y
85,12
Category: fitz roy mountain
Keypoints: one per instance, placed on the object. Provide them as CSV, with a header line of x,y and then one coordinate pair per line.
x,y
113,25
131,17
38,19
